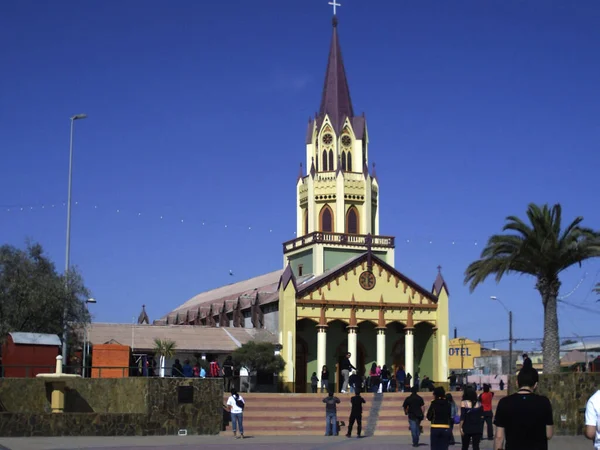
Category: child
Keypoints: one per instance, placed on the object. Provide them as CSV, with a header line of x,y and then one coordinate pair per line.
x,y
314,382
356,414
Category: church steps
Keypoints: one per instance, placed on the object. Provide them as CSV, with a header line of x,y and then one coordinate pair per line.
x,y
304,414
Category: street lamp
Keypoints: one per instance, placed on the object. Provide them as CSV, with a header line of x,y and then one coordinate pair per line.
x,y
68,245
86,350
510,332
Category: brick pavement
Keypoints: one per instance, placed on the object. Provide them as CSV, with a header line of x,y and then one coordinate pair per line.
x,y
258,442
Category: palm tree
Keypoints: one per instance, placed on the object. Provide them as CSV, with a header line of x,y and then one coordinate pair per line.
x,y
597,288
164,348
540,249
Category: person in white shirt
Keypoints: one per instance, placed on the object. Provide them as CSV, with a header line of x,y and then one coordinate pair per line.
x,y
592,419
236,408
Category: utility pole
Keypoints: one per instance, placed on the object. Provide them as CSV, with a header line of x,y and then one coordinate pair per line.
x,y
510,342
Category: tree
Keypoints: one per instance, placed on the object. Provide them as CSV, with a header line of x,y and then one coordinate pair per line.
x,y
597,288
164,348
258,356
35,298
542,249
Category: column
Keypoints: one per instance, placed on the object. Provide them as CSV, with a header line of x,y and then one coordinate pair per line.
x,y
352,341
410,353
321,348
380,346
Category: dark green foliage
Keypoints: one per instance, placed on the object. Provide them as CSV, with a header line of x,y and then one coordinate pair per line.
x,y
542,249
34,297
258,356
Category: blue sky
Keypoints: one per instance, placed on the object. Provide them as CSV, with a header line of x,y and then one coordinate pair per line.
x,y
198,110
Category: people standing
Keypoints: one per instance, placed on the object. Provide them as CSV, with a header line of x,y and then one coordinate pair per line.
x,y
331,403
501,384
356,414
314,382
414,408
346,368
452,379
524,420
176,369
471,420
385,378
439,414
374,377
324,379
486,403
228,373
236,406
407,383
592,419
453,416
213,368
196,370
187,369
354,382
401,378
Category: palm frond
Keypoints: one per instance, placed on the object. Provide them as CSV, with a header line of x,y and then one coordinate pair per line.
x,y
538,248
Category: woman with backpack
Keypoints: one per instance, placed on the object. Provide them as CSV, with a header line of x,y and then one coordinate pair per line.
x,y
236,406
471,419
454,415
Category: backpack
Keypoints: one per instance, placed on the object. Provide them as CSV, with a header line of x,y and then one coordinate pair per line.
x,y
239,402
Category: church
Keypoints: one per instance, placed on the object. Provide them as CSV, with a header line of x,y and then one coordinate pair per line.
x,y
338,290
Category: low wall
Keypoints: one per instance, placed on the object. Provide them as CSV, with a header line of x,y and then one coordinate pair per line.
x,y
568,393
112,407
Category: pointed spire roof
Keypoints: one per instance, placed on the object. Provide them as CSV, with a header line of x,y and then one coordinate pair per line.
x,y
439,283
143,317
335,100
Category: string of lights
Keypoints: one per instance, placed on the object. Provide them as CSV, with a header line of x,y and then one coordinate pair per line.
x,y
15,210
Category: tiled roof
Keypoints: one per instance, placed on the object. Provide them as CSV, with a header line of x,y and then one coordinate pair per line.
x,y
265,286
186,337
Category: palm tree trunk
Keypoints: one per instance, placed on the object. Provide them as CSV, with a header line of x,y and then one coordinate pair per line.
x,y
548,289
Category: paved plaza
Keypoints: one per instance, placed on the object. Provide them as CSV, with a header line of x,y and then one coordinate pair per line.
x,y
258,442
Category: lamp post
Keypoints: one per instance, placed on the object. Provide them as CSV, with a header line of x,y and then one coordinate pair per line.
x,y
510,332
86,350
68,245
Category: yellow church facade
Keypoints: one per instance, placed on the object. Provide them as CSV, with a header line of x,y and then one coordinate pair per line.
x,y
339,291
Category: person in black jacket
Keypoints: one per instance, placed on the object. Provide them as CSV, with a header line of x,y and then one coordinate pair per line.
x,y
440,415
356,414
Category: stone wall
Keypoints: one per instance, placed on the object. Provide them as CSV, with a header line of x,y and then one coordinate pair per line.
x,y
568,393
112,407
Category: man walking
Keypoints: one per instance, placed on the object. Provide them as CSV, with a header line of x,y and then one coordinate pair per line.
x,y
346,368
414,408
356,414
524,420
228,373
331,414
592,419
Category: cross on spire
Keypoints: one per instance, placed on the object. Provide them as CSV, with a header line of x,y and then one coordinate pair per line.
x,y
439,268
335,5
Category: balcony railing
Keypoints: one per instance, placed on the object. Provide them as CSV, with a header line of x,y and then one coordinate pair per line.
x,y
342,239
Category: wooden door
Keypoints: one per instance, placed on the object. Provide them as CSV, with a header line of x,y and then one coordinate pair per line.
x,y
301,363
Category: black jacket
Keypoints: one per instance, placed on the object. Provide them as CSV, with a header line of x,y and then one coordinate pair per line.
x,y
439,413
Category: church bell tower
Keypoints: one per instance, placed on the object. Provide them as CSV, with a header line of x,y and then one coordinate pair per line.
x,y
337,201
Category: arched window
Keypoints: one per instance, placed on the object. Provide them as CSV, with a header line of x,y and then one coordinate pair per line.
x,y
349,164
331,166
326,219
324,160
305,221
344,161
352,221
